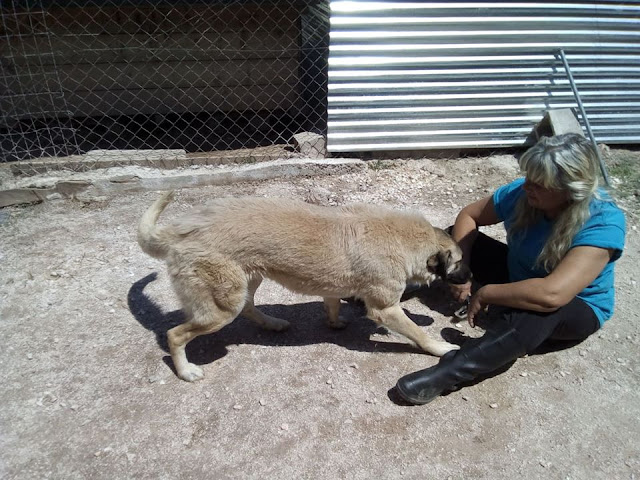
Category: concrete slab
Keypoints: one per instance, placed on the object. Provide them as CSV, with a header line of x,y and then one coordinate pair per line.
x,y
98,184
557,122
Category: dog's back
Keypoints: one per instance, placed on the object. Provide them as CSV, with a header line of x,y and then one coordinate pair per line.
x,y
301,245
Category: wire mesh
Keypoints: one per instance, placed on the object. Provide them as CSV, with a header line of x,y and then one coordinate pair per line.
x,y
159,83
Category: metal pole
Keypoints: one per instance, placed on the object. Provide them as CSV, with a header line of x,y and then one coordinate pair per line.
x,y
584,117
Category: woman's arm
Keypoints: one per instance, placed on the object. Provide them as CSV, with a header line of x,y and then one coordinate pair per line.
x,y
474,215
465,231
573,274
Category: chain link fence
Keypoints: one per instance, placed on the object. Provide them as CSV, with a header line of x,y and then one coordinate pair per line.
x,y
159,83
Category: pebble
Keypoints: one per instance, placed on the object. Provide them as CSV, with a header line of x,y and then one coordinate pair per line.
x,y
465,398
493,405
48,398
262,402
329,382
620,360
330,368
207,394
354,365
524,374
237,407
30,356
582,353
284,427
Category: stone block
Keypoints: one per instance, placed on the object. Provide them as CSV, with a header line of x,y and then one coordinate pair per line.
x,y
557,122
310,144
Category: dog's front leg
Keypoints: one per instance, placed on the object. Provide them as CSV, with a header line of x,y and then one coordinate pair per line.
x,y
395,319
332,306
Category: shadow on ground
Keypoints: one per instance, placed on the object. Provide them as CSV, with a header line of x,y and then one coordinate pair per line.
x,y
307,328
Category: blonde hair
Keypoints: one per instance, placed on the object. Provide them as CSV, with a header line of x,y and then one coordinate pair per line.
x,y
564,162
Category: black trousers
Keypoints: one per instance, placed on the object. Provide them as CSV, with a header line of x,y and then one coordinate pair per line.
x,y
573,322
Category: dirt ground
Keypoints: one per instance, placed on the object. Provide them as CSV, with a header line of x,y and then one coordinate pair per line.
x,y
88,389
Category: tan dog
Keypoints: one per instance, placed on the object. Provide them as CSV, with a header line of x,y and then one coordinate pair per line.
x,y
218,255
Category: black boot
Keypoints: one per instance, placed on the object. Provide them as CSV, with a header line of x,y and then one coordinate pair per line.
x,y
477,356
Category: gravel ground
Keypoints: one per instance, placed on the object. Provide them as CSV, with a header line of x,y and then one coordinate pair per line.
x,y
89,390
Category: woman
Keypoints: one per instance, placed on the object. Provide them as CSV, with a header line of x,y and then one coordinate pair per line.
x,y
554,278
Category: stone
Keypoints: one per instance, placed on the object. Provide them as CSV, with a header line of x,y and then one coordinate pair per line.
x,y
310,144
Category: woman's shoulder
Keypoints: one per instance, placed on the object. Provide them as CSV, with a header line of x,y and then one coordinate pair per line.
x,y
513,188
603,209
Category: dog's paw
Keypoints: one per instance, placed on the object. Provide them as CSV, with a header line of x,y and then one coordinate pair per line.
x,y
191,373
440,348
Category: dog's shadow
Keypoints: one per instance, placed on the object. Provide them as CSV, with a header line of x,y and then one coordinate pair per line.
x,y
436,297
307,320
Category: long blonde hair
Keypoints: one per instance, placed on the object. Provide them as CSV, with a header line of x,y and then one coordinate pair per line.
x,y
564,162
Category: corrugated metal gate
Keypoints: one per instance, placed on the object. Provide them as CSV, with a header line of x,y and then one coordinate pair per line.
x,y
435,75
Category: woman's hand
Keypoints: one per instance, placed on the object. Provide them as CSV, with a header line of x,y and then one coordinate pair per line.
x,y
460,292
476,304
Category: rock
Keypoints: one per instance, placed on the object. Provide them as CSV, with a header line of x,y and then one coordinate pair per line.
x,y
48,398
310,144
318,196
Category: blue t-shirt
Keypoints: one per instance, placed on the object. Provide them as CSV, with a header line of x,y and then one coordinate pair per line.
x,y
605,228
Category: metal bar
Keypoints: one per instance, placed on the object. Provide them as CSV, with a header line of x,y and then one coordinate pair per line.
x,y
603,169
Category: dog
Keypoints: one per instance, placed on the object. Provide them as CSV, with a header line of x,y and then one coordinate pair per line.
x,y
218,255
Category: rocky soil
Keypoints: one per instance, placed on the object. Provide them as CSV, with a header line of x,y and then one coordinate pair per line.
x,y
89,390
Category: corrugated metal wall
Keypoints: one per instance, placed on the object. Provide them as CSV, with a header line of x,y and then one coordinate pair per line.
x,y
434,75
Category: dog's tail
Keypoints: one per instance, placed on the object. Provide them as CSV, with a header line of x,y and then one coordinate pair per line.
x,y
149,238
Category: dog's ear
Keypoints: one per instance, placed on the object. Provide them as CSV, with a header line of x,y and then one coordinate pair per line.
x,y
439,262
433,261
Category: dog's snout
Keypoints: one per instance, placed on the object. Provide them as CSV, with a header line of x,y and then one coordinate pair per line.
x,y
460,275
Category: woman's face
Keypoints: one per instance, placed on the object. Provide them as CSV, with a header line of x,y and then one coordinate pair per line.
x,y
549,200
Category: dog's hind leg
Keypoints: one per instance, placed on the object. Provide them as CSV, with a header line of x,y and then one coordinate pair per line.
x,y
332,306
208,306
395,319
252,313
